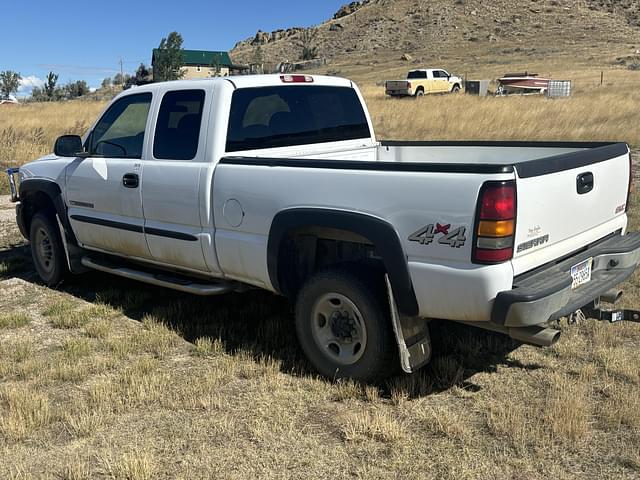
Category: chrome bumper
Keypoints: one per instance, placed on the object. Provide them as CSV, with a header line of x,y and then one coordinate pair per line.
x,y
11,172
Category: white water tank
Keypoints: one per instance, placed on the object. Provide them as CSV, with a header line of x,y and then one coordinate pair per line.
x,y
559,88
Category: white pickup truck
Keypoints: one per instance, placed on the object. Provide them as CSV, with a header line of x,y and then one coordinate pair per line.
x,y
422,82
278,182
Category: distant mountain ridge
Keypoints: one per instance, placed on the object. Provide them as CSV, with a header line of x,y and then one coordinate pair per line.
x,y
389,28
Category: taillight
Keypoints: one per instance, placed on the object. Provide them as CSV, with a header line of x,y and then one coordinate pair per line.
x,y
495,223
296,78
409,85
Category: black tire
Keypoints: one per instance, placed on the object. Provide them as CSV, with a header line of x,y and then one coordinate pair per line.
x,y
47,250
455,89
376,358
419,93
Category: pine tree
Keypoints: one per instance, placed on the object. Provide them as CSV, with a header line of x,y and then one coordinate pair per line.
x,y
50,85
169,58
9,83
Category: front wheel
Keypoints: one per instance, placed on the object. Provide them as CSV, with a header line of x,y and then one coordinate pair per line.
x,y
47,250
344,326
455,89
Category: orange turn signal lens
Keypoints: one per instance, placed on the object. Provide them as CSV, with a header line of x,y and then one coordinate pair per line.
x,y
502,228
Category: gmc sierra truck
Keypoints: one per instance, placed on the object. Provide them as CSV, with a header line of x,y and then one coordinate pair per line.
x,y
423,81
278,182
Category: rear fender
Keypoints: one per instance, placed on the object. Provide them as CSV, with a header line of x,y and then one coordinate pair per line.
x,y
378,232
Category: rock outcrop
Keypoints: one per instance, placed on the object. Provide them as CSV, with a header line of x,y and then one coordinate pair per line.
x,y
349,9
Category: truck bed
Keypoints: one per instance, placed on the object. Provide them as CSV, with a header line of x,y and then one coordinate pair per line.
x,y
552,155
413,184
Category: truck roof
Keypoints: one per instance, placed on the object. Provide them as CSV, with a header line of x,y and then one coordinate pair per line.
x,y
244,81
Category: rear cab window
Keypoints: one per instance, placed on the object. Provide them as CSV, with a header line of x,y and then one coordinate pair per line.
x,y
417,74
281,116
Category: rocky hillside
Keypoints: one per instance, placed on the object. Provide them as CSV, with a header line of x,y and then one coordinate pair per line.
x,y
387,29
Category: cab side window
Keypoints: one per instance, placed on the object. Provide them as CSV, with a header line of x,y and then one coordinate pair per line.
x,y
178,127
120,131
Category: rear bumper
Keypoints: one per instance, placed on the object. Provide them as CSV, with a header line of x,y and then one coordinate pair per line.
x,y
546,294
399,93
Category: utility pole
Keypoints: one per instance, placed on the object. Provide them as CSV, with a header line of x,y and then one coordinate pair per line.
x,y
121,73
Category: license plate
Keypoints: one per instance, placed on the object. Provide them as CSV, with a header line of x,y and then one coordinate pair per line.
x,y
581,273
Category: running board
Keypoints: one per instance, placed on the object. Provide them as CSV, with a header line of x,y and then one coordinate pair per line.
x,y
161,280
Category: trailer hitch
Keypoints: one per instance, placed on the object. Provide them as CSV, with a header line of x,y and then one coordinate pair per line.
x,y
596,311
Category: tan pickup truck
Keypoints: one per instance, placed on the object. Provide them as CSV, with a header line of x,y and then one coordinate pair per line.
x,y
423,81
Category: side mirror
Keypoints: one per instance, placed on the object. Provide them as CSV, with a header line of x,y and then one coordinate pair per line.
x,y
68,146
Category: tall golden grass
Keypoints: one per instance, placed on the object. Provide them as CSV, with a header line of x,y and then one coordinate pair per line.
x,y
29,131
592,113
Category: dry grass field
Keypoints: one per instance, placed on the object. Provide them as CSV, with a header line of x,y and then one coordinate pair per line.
x,y
592,113
28,131
104,378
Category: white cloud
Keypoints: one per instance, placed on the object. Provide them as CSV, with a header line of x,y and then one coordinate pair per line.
x,y
27,84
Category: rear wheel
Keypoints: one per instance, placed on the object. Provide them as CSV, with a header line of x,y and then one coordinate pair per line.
x,y
47,250
420,93
343,325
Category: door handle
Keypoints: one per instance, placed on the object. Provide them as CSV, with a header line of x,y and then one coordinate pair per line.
x,y
130,180
584,183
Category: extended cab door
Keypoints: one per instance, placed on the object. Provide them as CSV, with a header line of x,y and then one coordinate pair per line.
x,y
103,190
174,193
418,79
440,81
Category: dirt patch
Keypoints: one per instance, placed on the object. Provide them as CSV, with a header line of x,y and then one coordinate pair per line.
x,y
7,209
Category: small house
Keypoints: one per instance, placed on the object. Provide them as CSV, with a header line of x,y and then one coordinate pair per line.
x,y
203,63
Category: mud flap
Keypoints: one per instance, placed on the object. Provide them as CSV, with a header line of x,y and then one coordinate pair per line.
x,y
412,336
72,253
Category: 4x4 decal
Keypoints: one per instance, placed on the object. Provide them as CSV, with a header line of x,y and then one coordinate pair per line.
x,y
426,235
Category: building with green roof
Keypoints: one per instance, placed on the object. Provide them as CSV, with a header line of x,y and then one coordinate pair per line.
x,y
204,64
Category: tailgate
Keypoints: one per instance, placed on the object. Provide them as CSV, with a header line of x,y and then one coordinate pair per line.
x,y
397,85
568,201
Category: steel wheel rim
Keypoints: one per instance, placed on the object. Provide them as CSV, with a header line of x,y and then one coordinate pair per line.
x,y
338,328
44,250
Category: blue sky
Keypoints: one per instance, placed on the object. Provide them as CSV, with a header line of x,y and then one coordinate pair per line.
x,y
85,40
